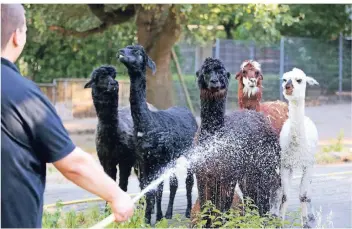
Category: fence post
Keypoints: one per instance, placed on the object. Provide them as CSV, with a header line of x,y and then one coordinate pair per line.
x,y
282,62
217,48
340,64
251,50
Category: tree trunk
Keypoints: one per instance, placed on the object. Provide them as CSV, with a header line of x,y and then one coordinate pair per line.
x,y
228,28
158,29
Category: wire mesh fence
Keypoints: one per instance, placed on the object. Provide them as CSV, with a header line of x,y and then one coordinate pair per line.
x,y
329,62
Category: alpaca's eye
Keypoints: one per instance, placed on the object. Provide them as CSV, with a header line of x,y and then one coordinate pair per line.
x,y
299,81
244,72
256,73
284,80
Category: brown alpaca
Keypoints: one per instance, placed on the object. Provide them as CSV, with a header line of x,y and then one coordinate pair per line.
x,y
250,93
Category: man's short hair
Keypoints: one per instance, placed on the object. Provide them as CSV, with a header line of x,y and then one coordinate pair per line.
x,y
12,18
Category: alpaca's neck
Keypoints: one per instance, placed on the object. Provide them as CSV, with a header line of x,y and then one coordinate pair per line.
x,y
106,105
138,102
212,114
251,102
296,115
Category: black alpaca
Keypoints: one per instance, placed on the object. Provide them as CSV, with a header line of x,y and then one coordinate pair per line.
x,y
114,134
243,146
161,137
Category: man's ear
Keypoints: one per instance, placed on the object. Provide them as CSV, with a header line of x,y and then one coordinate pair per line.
x,y
151,64
18,40
89,84
238,76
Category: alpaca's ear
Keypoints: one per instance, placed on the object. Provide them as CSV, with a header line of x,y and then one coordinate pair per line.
x,y
151,65
261,76
89,84
311,81
238,76
228,75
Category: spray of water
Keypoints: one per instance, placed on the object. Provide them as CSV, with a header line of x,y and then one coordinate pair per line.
x,y
180,168
222,151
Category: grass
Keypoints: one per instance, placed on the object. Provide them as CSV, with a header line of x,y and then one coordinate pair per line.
x,y
89,217
234,218
335,152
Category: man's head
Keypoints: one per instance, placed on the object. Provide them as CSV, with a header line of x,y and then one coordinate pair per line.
x,y
13,31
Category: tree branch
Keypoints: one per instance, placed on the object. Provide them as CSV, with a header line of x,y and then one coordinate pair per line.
x,y
68,32
115,17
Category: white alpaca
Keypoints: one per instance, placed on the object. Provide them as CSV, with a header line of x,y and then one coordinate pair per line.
x,y
298,141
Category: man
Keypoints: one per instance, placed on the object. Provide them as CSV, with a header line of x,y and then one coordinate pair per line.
x,y
32,135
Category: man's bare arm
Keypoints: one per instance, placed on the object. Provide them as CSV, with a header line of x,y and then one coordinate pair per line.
x,y
80,168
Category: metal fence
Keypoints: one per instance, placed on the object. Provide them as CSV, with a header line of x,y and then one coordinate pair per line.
x,y
327,61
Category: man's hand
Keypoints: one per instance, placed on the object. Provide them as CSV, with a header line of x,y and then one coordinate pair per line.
x,y
122,207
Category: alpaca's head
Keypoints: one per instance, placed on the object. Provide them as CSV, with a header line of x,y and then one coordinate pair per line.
x,y
213,79
250,76
294,84
103,80
135,58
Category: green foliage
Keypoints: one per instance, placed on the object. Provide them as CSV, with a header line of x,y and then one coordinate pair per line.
x,y
246,216
48,55
243,21
234,218
51,220
337,146
322,21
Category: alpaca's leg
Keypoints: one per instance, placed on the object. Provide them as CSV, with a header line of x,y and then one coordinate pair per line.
x,y
150,200
159,197
201,185
189,186
275,201
110,169
249,189
227,192
275,194
263,198
173,189
305,196
286,177
125,172
150,196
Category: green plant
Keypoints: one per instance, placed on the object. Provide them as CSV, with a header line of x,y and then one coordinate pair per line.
x,y
245,216
337,146
51,220
235,219
71,219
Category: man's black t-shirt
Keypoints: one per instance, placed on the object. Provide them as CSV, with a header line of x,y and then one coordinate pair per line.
x,y
32,135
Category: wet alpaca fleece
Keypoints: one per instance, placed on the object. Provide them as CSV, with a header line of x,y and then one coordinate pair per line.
x,y
114,133
161,136
238,147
